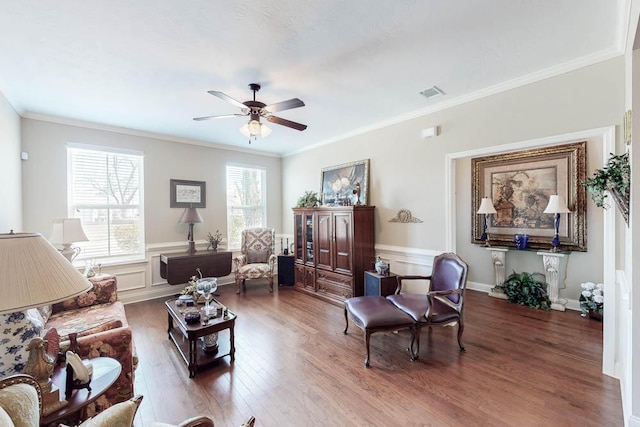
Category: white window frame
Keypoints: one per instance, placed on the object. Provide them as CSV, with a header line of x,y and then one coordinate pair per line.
x,y
235,245
107,259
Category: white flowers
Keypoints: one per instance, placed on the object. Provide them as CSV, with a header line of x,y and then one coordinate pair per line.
x,y
591,298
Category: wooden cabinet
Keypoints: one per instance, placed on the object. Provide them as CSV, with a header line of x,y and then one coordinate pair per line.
x,y
333,249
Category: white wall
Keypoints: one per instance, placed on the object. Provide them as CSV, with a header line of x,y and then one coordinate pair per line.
x,y
45,193
10,169
45,178
408,172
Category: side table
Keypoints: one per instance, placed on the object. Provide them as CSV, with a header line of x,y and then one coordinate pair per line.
x,y
105,372
376,284
285,270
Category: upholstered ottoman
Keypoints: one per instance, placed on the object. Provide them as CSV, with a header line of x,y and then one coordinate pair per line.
x,y
376,314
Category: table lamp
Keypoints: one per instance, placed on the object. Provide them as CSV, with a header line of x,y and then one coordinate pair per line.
x,y
66,232
33,273
190,216
486,208
556,206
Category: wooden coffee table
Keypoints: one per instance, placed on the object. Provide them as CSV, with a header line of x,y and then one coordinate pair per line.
x,y
105,372
186,337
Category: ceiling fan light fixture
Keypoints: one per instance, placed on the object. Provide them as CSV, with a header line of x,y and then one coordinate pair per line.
x,y
264,131
254,127
244,129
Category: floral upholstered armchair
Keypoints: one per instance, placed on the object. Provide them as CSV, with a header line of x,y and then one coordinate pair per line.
x,y
257,259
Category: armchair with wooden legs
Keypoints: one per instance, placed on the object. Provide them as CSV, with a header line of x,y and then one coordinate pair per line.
x,y
257,259
443,303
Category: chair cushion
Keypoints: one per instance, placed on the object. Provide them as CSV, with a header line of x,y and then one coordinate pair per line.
x,y
376,312
88,320
120,414
255,271
257,256
416,306
20,401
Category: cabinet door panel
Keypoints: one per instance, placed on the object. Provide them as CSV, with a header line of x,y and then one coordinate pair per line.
x,y
343,259
324,238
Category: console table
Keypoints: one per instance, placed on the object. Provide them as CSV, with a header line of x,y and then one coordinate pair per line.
x,y
178,268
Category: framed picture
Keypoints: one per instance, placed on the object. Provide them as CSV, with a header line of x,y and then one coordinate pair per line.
x,y
345,185
519,184
187,194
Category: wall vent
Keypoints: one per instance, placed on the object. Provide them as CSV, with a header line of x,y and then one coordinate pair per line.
x,y
431,92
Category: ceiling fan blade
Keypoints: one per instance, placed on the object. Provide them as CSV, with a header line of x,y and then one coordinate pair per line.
x,y
284,105
197,119
287,123
227,98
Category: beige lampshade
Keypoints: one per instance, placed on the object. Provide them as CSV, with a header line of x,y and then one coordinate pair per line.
x,y
33,273
486,206
556,205
190,216
67,230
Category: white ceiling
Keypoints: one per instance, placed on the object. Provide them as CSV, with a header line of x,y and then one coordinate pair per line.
x,y
357,64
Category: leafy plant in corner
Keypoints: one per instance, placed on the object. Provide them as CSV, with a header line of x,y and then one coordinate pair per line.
x,y
308,200
527,289
614,178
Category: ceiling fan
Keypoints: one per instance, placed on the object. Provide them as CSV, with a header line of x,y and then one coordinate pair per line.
x,y
255,110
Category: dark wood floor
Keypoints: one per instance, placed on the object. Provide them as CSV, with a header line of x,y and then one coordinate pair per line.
x,y
294,366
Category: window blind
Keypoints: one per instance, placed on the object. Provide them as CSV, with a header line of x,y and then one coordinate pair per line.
x,y
105,192
246,201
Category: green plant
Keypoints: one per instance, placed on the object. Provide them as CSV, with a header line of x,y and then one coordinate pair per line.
x,y
308,200
614,178
526,289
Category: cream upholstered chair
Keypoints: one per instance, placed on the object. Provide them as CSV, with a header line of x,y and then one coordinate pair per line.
x,y
257,259
20,401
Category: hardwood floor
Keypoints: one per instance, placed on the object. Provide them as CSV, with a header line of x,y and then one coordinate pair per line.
x,y
294,366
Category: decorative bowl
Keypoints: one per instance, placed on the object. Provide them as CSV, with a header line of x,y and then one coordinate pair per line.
x,y
192,317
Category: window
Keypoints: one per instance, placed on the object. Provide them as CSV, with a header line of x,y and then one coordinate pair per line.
x,y
246,201
105,192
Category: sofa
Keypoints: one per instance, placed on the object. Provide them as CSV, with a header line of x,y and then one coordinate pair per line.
x,y
98,319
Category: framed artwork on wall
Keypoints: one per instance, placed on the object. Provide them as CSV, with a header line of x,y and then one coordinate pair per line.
x,y
520,183
346,184
187,194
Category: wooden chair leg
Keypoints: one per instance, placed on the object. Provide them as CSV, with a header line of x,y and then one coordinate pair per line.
x,y
460,329
237,285
346,321
271,284
367,338
416,353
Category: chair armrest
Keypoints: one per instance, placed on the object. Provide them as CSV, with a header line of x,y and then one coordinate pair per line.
x,y
103,292
239,261
410,277
272,260
445,292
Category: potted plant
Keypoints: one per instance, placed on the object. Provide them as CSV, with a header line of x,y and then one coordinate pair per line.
x,y
614,178
526,289
592,300
308,200
214,240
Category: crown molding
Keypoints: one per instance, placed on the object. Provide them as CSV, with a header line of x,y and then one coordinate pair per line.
x,y
556,70
139,133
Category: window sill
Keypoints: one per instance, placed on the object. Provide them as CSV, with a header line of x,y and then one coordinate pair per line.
x,y
112,262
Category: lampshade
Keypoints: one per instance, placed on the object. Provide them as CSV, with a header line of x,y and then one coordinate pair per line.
x,y
190,216
486,206
33,273
67,230
556,205
255,128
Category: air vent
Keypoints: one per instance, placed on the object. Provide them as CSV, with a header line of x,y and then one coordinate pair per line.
x,y
431,92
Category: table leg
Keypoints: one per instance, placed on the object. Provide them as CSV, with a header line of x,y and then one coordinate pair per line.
x,y
170,324
193,355
232,351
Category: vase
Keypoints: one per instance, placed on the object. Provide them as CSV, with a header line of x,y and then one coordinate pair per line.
x,y
595,315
